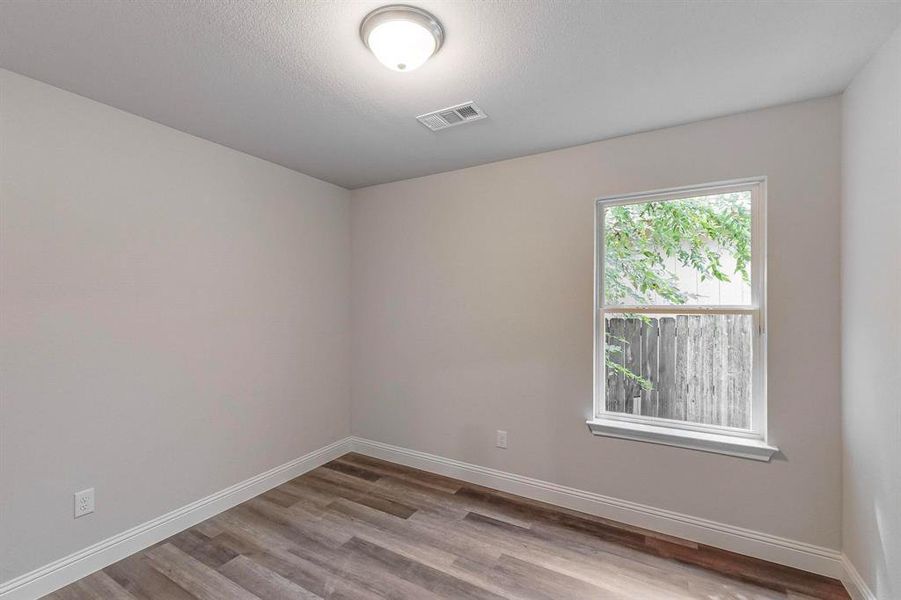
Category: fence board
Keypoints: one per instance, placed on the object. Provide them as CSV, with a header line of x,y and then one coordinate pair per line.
x,y
699,367
615,381
686,336
666,368
632,361
649,369
719,370
739,388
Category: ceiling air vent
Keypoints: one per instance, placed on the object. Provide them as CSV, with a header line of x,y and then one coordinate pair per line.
x,y
452,115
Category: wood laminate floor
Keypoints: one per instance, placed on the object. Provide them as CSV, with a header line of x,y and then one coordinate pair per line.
x,y
363,528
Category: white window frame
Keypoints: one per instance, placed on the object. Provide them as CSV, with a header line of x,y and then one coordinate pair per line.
x,y
746,443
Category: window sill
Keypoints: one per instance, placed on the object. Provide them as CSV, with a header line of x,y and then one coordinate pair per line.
x,y
753,449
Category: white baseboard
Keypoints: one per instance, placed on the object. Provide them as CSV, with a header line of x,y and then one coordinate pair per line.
x,y
792,553
854,583
64,571
800,555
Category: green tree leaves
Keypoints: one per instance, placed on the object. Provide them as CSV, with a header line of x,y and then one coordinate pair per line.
x,y
640,239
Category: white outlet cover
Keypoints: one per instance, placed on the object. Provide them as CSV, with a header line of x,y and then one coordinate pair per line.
x,y
501,438
84,502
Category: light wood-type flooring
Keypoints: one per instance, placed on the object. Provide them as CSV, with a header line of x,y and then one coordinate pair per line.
x,y
364,528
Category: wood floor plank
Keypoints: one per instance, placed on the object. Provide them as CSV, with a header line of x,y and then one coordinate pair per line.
x,y
581,561
310,497
315,565
194,576
437,581
209,552
356,490
70,592
367,523
539,583
425,497
294,521
755,571
136,575
97,586
208,528
104,586
433,544
365,529
313,576
437,482
281,496
355,471
424,535
371,575
267,584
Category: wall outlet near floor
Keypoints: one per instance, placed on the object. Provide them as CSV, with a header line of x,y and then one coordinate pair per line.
x,y
84,502
501,439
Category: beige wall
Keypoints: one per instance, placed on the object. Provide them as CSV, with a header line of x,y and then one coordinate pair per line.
x,y
871,321
472,311
175,319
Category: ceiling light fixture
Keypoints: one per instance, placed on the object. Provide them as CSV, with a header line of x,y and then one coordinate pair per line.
x,y
401,37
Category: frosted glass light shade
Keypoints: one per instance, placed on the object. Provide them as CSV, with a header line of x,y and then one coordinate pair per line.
x,y
402,38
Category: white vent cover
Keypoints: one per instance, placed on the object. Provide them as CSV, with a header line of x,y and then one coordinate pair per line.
x,y
452,115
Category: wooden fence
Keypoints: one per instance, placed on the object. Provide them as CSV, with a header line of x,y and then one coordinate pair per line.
x,y
699,367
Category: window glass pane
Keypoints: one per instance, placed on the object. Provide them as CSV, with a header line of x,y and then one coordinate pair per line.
x,y
690,251
694,368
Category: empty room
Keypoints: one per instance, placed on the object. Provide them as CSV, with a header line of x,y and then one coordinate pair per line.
x,y
454,299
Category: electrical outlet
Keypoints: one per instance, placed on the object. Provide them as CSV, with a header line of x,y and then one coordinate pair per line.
x,y
84,502
501,439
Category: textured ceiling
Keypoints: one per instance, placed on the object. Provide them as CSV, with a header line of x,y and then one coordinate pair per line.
x,y
291,82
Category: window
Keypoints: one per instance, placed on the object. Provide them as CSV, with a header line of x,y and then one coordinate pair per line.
x,y
680,345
